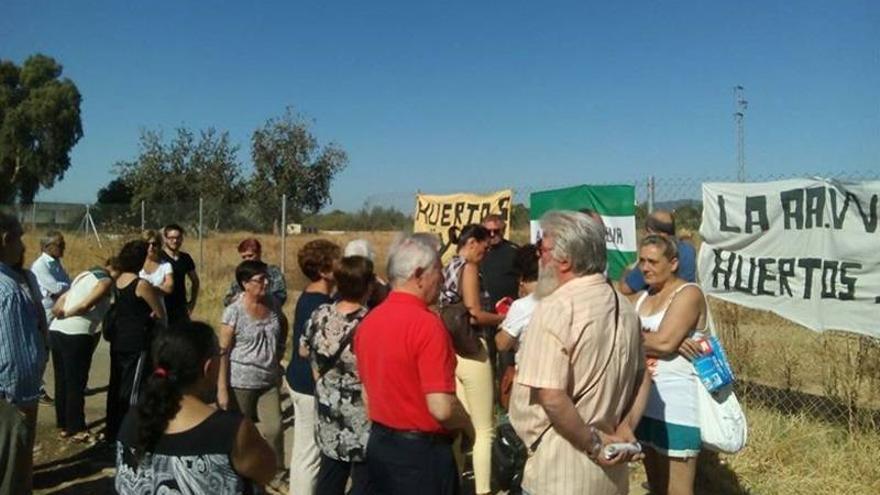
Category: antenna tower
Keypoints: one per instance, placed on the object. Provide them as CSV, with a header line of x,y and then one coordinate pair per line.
x,y
739,116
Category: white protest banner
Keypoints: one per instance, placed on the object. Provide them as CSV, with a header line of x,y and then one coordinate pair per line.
x,y
805,249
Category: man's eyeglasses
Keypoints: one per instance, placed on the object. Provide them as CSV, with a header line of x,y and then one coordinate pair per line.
x,y
494,232
172,237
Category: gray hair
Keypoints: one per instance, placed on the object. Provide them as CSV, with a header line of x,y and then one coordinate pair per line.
x,y
494,217
359,247
410,253
578,239
50,237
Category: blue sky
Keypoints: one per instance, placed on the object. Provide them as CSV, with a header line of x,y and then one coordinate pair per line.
x,y
445,96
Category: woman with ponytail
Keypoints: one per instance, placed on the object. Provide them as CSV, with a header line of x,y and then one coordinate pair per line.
x,y
174,441
473,374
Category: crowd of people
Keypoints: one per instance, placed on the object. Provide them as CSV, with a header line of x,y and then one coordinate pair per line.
x,y
385,399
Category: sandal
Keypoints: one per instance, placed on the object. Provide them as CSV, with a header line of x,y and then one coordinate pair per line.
x,y
82,437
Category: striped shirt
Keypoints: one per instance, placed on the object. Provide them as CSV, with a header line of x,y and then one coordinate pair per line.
x,y
22,350
569,340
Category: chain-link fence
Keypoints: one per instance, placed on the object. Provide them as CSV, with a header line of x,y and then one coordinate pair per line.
x,y
833,375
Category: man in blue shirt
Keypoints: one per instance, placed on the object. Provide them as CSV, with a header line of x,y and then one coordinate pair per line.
x,y
52,279
50,273
22,359
661,222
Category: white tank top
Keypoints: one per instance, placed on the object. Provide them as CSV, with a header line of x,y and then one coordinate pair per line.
x,y
673,396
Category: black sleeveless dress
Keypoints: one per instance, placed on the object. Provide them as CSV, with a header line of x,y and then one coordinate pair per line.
x,y
198,460
133,324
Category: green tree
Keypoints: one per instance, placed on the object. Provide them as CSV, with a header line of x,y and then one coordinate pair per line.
x,y
641,215
39,125
116,192
170,177
689,216
519,217
377,218
288,160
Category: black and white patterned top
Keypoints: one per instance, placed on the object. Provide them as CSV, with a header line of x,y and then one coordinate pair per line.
x,y
451,291
197,460
342,426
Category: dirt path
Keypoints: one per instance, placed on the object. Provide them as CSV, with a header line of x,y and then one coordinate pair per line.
x,y
68,468
62,466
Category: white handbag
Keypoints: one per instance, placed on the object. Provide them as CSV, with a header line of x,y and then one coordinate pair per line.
x,y
723,426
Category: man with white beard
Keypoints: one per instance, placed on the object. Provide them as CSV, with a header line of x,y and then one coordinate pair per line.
x,y
580,367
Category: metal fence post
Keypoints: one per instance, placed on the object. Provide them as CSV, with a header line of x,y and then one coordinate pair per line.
x,y
283,232
143,217
650,194
201,238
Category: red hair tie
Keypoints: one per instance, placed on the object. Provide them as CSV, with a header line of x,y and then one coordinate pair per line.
x,y
161,372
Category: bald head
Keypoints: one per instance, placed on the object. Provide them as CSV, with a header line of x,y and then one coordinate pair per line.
x,y
11,247
660,222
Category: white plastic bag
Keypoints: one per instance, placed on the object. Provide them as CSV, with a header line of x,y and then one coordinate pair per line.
x,y
723,425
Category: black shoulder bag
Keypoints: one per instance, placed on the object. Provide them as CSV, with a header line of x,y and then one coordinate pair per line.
x,y
457,320
331,362
510,453
108,323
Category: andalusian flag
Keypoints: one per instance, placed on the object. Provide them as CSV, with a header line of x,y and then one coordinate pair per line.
x,y
615,204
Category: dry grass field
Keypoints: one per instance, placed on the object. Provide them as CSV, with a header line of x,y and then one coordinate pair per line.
x,y
805,394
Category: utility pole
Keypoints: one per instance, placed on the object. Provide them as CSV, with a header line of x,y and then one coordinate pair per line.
x,y
283,233
739,117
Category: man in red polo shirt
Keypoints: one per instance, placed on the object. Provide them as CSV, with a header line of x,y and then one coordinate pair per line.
x,y
407,365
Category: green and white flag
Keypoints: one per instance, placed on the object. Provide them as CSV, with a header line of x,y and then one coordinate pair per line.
x,y
615,204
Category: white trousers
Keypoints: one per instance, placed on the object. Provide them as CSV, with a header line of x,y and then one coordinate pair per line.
x,y
305,457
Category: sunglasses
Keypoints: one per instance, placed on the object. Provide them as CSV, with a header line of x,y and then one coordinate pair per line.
x,y
494,232
259,279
